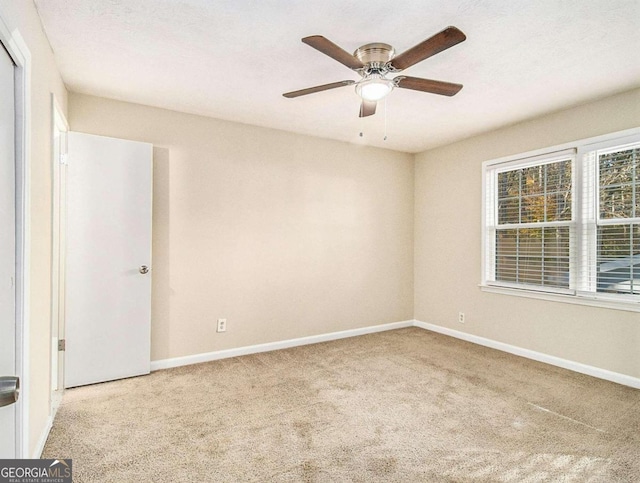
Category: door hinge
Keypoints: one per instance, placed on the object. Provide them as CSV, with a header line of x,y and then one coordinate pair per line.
x,y
62,345
64,159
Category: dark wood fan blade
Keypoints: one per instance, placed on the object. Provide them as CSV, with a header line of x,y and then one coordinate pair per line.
x,y
311,90
439,42
367,108
327,47
428,85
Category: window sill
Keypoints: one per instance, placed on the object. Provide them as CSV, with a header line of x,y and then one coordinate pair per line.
x,y
568,299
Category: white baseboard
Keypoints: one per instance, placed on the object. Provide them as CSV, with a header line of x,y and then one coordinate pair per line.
x,y
285,344
37,452
536,356
272,346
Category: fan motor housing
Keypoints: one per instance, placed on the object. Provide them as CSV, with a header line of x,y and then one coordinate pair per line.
x,y
376,52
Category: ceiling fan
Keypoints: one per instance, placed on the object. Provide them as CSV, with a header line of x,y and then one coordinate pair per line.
x,y
375,61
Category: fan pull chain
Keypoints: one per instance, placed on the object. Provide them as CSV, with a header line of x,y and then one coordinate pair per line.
x,y
385,119
361,133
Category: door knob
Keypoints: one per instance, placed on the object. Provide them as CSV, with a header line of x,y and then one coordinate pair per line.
x,y
9,390
144,269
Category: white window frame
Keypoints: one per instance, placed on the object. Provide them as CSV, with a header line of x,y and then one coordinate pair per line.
x,y
583,226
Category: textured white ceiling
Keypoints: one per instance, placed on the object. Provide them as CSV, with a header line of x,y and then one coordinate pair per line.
x,y
233,59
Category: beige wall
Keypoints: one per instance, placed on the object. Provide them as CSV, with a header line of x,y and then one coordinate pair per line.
x,y
282,234
448,192
45,79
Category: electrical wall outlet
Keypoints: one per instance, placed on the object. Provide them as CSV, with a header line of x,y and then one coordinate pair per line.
x,y
461,317
222,325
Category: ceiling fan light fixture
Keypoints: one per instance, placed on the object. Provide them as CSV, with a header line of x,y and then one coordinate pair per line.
x,y
374,87
374,61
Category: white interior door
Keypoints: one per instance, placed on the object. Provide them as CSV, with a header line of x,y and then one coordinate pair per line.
x,y
7,250
108,297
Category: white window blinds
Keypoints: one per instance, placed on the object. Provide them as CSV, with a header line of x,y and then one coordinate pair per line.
x,y
566,222
532,222
617,234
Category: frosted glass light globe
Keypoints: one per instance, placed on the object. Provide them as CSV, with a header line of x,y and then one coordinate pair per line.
x,y
374,87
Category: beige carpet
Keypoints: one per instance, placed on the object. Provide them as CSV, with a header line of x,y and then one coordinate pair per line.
x,y
401,406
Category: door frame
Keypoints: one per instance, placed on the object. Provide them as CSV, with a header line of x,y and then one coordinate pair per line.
x,y
60,127
17,49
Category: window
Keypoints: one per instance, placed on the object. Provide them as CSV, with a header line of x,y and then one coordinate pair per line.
x,y
618,224
566,222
